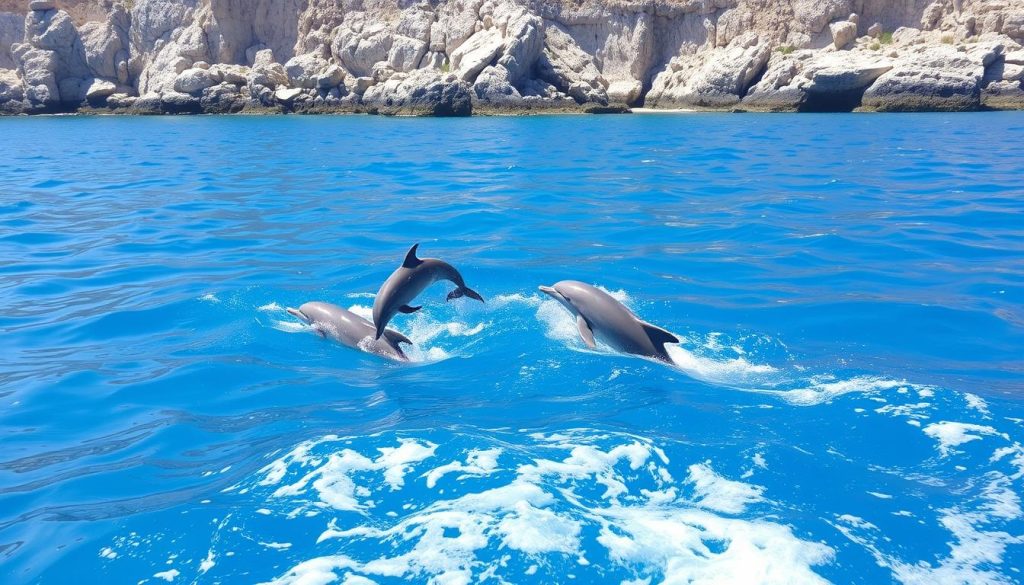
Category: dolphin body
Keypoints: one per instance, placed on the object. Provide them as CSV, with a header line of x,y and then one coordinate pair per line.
x,y
350,329
600,316
408,281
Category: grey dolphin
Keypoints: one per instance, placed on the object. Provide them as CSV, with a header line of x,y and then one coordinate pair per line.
x,y
350,329
599,315
408,281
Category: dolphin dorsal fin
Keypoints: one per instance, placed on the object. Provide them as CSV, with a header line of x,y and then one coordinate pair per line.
x,y
411,261
657,335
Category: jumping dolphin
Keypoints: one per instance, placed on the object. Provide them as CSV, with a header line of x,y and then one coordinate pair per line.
x,y
350,329
408,281
599,315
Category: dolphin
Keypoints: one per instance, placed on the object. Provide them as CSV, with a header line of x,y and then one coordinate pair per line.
x,y
408,281
350,329
600,316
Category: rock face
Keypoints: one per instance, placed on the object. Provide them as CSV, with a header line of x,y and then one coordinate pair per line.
x,y
451,57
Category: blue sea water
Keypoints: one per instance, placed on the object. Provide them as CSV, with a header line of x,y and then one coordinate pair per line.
x,y
847,404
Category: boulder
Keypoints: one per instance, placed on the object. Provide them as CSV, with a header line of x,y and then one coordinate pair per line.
x,y
421,93
838,74
813,15
302,69
406,53
476,53
173,102
99,89
195,80
938,78
287,95
625,92
267,72
875,30
12,91
904,35
233,74
493,87
42,5
843,33
361,84
223,98
120,100
331,77
37,68
359,51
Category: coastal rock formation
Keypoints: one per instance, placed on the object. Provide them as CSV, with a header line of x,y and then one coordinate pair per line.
x,y
453,57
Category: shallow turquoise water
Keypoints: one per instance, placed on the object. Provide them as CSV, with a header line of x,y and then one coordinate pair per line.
x,y
848,403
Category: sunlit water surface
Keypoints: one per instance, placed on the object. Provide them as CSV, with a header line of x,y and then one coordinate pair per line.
x,y
846,406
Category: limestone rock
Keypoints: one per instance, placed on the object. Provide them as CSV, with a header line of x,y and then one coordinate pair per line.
x,y
302,69
570,69
476,53
195,80
99,89
333,76
493,86
42,5
12,30
720,81
267,72
233,74
940,78
287,96
179,103
843,33
422,92
875,30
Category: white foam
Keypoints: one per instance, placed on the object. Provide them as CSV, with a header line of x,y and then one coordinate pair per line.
x,y
424,330
543,508
977,403
500,301
729,371
168,576
207,563
108,553
271,307
478,462
332,481
952,434
209,298
822,390
715,492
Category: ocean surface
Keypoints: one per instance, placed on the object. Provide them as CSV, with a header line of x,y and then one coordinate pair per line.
x,y
847,403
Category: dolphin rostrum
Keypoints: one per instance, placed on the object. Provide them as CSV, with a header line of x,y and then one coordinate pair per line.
x,y
350,329
600,316
408,281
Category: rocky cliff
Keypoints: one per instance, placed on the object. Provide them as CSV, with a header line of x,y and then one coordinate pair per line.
x,y
451,57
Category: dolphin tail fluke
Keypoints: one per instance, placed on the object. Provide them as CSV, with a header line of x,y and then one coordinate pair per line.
x,y
407,309
465,291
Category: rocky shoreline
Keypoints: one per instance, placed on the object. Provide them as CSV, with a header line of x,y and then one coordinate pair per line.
x,y
459,57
